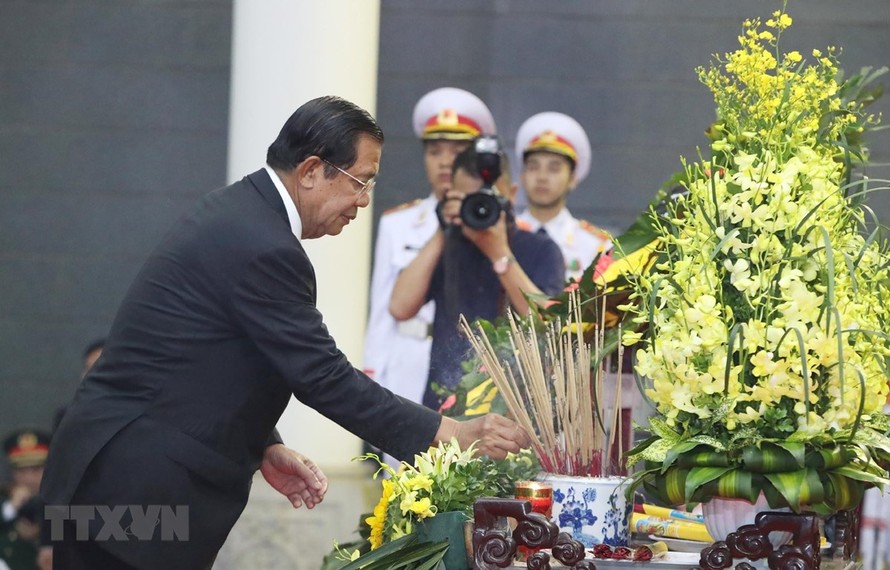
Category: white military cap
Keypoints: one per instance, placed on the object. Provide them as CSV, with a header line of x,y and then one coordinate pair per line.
x,y
556,133
453,114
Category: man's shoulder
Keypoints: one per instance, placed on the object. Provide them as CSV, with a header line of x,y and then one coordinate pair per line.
x,y
593,230
231,222
541,259
405,209
239,205
417,217
523,224
531,241
240,194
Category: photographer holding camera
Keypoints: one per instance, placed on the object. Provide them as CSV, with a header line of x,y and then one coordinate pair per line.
x,y
397,354
477,263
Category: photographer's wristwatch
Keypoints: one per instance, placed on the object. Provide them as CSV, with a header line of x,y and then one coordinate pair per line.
x,y
502,264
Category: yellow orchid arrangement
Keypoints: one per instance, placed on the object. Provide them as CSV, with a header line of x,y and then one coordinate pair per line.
x,y
445,478
765,322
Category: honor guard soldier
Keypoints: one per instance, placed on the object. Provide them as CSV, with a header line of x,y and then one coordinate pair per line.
x,y
397,353
555,155
21,511
26,451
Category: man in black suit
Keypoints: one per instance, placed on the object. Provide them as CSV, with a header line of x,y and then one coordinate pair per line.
x,y
218,330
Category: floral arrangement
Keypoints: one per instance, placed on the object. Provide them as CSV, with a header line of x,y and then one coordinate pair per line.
x,y
445,478
765,321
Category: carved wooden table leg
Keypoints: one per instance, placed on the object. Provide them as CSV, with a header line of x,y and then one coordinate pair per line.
x,y
846,531
494,545
751,542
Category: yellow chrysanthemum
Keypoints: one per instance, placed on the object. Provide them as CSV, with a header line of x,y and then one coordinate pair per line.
x,y
377,521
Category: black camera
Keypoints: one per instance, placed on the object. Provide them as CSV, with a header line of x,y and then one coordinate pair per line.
x,y
482,209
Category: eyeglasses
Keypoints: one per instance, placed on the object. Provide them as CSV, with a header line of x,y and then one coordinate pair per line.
x,y
364,187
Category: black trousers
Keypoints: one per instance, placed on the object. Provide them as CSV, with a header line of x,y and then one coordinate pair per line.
x,y
72,554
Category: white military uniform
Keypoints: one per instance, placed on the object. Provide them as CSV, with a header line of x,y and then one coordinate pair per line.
x,y
557,133
579,240
397,354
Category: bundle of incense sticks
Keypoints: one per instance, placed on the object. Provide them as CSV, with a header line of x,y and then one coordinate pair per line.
x,y
552,390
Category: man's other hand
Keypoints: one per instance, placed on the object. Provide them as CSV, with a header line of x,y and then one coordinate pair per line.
x,y
293,475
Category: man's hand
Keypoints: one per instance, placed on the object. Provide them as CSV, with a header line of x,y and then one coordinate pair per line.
x,y
495,435
492,241
451,207
18,496
293,475
45,558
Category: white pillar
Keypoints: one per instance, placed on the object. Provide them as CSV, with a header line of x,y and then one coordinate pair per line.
x,y
284,53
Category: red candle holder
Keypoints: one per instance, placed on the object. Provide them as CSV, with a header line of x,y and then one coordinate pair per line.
x,y
540,495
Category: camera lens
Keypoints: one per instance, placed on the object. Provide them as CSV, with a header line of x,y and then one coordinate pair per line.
x,y
480,210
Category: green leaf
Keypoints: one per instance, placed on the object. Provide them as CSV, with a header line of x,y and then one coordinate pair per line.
x,y
385,550
828,458
871,438
637,479
861,377
657,451
401,555
822,509
797,450
708,440
842,493
675,451
672,485
804,374
772,458
717,248
703,459
643,231
699,476
773,497
860,475
660,428
437,563
429,554
800,487
738,483
640,447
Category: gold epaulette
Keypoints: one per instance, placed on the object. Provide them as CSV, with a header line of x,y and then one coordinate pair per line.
x,y
404,206
523,225
593,230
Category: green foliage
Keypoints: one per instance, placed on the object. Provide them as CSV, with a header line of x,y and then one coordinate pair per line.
x,y
445,478
402,554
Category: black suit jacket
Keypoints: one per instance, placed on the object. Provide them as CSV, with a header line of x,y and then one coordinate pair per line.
x,y
217,331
